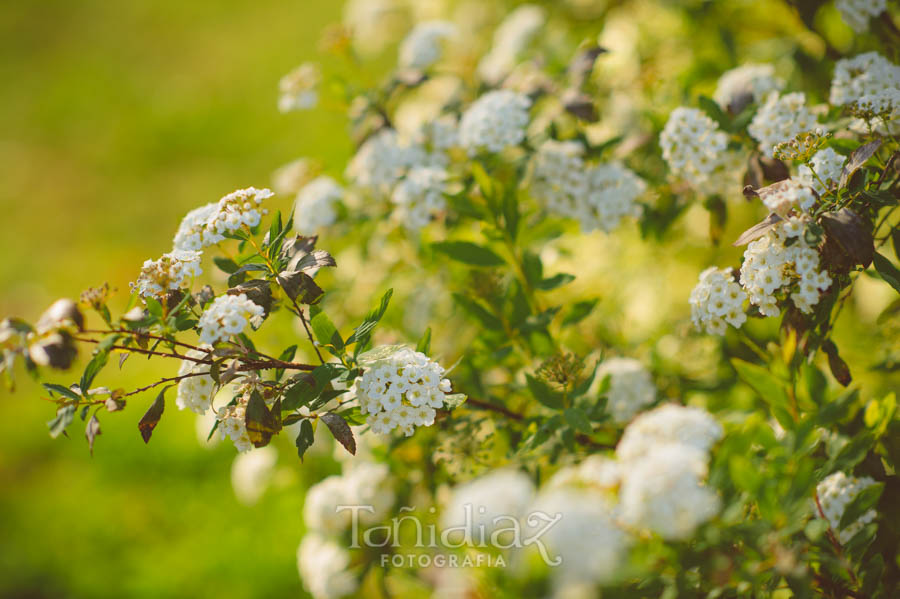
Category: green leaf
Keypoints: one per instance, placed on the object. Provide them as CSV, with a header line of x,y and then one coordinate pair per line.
x,y
305,438
511,212
324,330
888,271
533,268
286,356
863,502
226,265
152,416
454,400
371,320
340,430
712,109
424,344
468,253
853,452
310,386
260,422
769,387
578,312
97,362
300,286
479,312
557,280
64,391
64,417
543,393
484,181
577,419
154,307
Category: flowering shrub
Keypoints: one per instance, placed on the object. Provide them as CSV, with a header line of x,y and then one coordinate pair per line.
x,y
763,471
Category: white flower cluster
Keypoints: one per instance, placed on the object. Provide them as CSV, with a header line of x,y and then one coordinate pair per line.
x,y
251,473
856,13
826,167
630,387
195,392
205,226
422,46
476,504
419,196
770,265
664,456
322,562
511,38
788,195
228,315
168,273
299,88
382,160
867,74
495,121
695,150
755,80
587,538
779,119
835,493
363,484
233,424
717,301
314,205
598,196
884,108
401,391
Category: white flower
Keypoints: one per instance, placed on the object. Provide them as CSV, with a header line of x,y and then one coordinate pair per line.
x,y
369,484
320,511
232,424
597,195
323,565
827,165
597,473
865,74
630,387
168,273
299,88
205,226
695,150
755,80
663,491
780,119
668,424
420,196
856,13
788,195
511,38
494,122
401,391
195,392
422,47
770,266
717,301
251,474
487,503
835,493
314,206
382,160
228,315
592,547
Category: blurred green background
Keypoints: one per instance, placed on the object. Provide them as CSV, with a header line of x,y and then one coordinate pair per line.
x,y
116,118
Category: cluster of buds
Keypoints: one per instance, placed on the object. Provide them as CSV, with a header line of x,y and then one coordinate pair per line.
x,y
803,146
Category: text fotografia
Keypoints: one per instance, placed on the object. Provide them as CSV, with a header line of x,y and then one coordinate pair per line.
x,y
501,532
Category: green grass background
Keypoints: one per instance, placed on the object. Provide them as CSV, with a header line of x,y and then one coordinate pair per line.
x,y
116,118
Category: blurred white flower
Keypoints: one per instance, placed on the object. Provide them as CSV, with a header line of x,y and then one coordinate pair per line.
x,y
251,473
